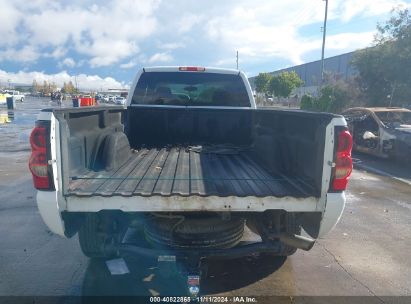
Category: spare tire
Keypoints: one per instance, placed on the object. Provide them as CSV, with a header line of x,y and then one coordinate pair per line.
x,y
194,233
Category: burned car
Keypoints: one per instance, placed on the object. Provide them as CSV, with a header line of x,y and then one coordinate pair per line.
x,y
383,131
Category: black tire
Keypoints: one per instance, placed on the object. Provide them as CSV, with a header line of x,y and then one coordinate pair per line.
x,y
91,240
96,232
194,233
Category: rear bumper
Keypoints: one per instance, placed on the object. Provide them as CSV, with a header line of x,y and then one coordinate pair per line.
x,y
47,203
333,210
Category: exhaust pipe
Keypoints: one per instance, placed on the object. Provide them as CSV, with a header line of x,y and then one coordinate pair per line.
x,y
297,241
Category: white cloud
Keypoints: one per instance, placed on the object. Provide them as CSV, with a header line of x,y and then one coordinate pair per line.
x,y
352,8
25,54
255,39
170,46
160,57
68,62
107,33
103,53
275,29
349,41
58,52
188,21
10,18
86,82
128,65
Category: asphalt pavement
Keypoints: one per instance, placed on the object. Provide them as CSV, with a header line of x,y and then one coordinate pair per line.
x,y
367,254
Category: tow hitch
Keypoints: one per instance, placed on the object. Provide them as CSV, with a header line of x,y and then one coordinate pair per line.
x,y
191,267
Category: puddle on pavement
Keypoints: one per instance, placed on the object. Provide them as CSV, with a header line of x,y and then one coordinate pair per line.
x,y
17,118
16,125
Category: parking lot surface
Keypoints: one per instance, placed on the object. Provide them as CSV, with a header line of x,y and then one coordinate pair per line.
x,y
367,254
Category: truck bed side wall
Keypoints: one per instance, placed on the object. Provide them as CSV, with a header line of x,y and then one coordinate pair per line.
x,y
83,132
292,143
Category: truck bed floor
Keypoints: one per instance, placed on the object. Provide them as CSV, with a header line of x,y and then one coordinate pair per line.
x,y
182,172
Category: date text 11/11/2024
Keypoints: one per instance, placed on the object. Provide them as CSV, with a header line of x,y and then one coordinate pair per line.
x,y
204,299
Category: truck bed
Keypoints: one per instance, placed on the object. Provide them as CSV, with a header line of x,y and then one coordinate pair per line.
x,y
181,171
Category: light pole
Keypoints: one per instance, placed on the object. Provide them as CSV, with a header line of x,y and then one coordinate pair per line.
x,y
323,47
237,60
75,81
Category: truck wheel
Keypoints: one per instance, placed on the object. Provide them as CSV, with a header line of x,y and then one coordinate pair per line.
x,y
91,240
291,226
97,231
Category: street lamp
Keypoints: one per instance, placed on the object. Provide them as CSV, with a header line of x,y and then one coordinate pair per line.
x,y
323,47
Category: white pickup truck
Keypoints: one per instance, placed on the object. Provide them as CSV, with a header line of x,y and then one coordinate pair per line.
x,y
189,163
17,96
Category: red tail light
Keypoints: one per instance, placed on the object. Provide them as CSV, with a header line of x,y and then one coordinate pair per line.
x,y
343,162
38,163
38,138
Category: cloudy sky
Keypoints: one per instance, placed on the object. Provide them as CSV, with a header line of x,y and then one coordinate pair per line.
x,y
104,43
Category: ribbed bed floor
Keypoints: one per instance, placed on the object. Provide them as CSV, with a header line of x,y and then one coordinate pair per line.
x,y
180,171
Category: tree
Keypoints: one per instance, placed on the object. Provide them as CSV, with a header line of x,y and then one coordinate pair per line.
x,y
384,74
335,96
307,102
46,87
262,81
69,88
63,89
53,87
283,84
35,86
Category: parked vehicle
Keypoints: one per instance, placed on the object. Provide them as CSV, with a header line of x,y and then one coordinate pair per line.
x,y
189,163
3,97
383,132
17,96
105,99
111,99
120,100
57,96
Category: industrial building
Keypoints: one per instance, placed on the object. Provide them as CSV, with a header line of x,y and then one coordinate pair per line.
x,y
310,72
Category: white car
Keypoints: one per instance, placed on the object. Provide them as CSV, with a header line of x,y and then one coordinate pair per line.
x,y
120,100
17,96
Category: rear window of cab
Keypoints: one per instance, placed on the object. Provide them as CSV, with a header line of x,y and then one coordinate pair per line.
x,y
191,89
